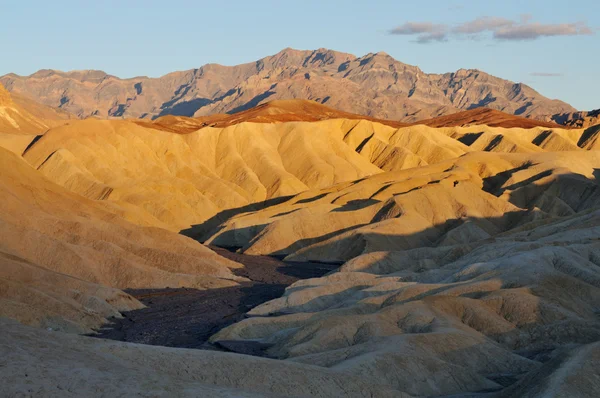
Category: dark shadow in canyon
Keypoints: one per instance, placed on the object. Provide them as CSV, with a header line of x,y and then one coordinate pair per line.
x,y
186,318
200,232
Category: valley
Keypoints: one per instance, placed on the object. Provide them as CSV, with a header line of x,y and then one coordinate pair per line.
x,y
272,245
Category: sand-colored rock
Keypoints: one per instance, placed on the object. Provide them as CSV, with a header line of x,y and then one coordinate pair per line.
x,y
179,180
16,143
40,297
448,294
64,256
20,115
54,364
175,178
468,254
416,207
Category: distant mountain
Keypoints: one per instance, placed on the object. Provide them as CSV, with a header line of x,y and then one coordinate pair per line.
x,y
375,85
580,119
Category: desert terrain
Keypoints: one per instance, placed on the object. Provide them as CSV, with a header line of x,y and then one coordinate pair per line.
x,y
267,243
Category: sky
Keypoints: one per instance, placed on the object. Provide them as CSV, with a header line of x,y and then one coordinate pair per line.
x,y
550,45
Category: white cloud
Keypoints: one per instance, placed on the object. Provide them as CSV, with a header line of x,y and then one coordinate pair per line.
x,y
425,31
535,30
501,29
482,24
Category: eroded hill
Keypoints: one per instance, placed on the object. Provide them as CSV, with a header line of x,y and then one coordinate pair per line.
x,y
20,115
474,274
468,255
178,180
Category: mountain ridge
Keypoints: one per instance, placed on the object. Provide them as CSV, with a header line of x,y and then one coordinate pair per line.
x,y
375,85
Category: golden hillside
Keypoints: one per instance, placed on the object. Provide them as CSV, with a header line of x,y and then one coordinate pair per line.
x,y
178,180
64,257
468,254
21,115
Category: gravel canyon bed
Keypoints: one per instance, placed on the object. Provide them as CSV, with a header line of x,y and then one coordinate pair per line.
x,y
187,318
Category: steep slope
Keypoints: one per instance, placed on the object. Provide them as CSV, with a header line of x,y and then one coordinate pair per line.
x,y
51,116
23,116
64,257
374,85
469,256
349,219
178,180
461,318
11,120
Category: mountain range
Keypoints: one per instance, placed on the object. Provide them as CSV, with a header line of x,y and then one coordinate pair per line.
x,y
374,85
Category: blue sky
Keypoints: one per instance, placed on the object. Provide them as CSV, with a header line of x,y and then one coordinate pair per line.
x,y
550,45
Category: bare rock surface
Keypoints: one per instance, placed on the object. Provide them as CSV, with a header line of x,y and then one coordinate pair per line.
x,y
477,274
582,119
373,85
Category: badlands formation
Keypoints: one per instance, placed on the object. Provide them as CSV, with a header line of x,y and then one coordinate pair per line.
x,y
466,248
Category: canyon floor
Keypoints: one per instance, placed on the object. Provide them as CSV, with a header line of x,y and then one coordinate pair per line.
x,y
187,318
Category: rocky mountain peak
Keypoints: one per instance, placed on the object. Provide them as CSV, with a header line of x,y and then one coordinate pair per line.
x,y
374,84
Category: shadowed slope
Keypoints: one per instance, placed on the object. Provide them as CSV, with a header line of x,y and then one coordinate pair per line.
x,y
474,273
349,219
578,119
